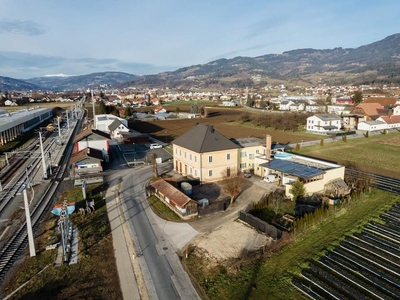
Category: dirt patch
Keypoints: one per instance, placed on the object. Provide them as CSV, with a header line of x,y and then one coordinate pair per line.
x,y
229,241
211,191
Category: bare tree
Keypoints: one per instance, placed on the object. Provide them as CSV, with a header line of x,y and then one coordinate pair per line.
x,y
277,197
154,163
233,184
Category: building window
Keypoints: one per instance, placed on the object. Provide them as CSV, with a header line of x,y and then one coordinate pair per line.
x,y
195,159
180,152
184,153
190,170
243,165
210,159
176,151
243,154
251,156
228,156
195,172
258,151
190,156
209,173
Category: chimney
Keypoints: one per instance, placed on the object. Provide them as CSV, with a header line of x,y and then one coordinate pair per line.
x,y
268,146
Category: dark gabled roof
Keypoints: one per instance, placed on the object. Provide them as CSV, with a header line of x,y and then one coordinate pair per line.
x,y
90,131
86,153
204,138
114,125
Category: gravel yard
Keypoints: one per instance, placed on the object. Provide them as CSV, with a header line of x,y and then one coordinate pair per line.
x,y
229,240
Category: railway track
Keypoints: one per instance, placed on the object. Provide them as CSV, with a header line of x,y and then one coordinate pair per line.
x,y
14,184
15,246
17,160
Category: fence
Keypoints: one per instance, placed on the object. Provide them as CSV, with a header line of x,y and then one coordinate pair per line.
x,y
214,207
263,226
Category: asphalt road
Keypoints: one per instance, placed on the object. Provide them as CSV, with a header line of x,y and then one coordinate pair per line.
x,y
160,266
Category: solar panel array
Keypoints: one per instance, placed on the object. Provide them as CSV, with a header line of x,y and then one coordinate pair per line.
x,y
293,168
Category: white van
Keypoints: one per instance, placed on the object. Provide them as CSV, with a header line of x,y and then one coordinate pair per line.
x,y
271,178
155,146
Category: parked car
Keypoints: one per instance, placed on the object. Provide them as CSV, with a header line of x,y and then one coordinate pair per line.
x,y
155,146
271,178
247,173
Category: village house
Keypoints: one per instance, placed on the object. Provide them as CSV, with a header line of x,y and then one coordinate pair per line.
x,y
92,138
84,163
324,123
102,122
370,111
117,128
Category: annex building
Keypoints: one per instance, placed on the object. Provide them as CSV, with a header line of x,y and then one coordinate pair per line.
x,y
12,124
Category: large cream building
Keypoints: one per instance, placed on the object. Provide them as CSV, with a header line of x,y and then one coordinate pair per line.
x,y
206,154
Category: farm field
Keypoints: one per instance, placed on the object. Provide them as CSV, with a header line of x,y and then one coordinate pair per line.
x,y
227,121
376,154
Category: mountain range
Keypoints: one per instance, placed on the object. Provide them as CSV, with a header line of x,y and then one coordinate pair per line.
x,y
375,63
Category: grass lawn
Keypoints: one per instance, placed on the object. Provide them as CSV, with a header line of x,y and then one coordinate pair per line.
x,y
270,278
162,210
376,154
93,277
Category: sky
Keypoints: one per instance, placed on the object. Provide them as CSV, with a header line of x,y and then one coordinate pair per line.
x,y
47,37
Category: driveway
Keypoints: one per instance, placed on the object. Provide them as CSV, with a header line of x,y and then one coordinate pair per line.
x,y
254,190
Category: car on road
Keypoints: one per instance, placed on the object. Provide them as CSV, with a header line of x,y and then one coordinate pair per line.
x,y
155,146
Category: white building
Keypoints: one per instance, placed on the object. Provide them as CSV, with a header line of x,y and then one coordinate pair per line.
x,y
117,128
324,123
92,138
102,122
372,125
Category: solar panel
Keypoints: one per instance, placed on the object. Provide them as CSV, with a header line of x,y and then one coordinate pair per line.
x,y
293,168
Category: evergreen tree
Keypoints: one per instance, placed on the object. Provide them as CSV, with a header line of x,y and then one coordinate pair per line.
x,y
357,97
194,109
128,112
297,189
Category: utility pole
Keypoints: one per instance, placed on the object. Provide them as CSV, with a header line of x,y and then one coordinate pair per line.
x,y
59,129
94,111
67,120
43,158
23,188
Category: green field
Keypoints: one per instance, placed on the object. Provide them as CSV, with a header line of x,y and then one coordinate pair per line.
x,y
270,277
376,154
